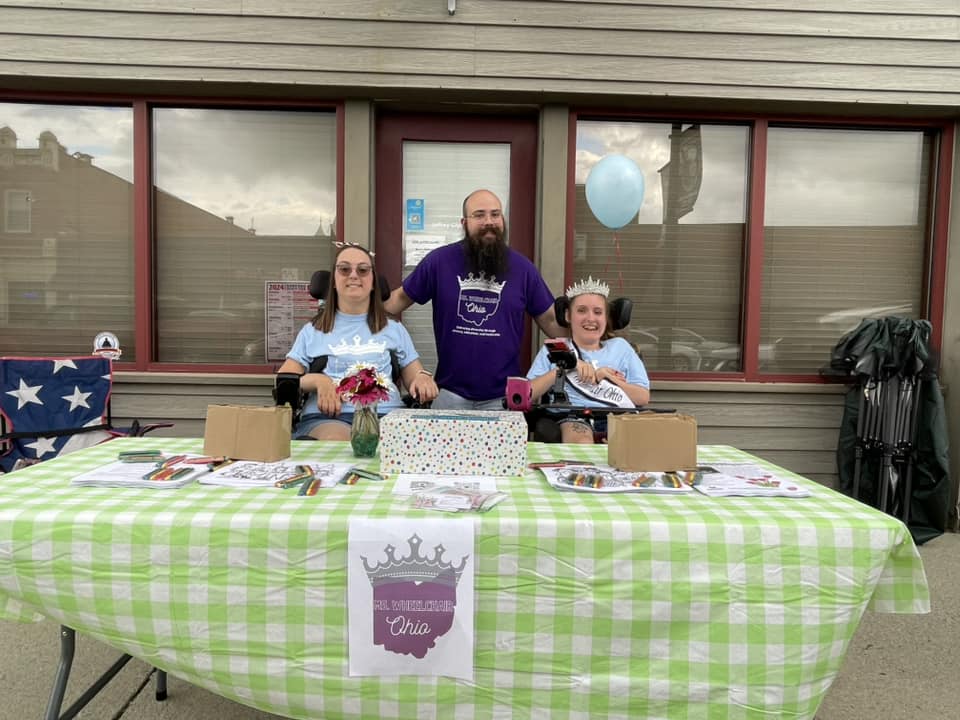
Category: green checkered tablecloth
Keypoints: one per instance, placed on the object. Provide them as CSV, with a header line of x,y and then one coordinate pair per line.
x,y
620,606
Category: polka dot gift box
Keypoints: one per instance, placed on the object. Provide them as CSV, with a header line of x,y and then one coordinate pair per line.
x,y
453,442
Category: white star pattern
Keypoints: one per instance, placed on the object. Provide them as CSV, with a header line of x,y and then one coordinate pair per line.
x,y
26,394
58,365
42,446
78,399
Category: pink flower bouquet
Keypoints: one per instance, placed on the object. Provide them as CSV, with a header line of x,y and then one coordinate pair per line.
x,y
363,385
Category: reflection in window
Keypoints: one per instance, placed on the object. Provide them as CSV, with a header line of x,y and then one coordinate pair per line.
x,y
66,241
680,258
845,227
16,211
241,198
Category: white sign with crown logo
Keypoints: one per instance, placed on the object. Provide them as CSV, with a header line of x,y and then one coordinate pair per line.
x,y
410,597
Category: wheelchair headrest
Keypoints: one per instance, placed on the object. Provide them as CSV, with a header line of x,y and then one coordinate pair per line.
x,y
321,280
620,310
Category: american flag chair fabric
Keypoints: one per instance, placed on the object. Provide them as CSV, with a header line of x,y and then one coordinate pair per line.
x,y
52,406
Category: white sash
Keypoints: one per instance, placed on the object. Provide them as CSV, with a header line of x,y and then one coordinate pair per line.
x,y
604,392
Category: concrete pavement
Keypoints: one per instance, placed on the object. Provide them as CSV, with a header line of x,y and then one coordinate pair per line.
x,y
898,667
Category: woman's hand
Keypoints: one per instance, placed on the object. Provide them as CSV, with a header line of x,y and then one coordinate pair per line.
x,y
423,387
586,372
328,402
614,376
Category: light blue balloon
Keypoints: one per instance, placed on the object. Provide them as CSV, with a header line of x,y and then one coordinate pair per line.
x,y
615,190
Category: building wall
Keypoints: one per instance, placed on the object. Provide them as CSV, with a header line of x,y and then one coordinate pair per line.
x,y
877,58
882,51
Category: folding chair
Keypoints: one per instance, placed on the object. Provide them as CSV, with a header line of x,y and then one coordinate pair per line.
x,y
53,406
49,407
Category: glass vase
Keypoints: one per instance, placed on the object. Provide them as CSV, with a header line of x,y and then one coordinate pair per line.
x,y
365,432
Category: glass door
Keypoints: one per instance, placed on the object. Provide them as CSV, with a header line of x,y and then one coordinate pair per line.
x,y
426,166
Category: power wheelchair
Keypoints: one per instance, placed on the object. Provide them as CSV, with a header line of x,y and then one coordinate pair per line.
x,y
541,417
286,386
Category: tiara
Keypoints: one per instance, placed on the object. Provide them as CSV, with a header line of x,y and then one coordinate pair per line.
x,y
341,244
588,287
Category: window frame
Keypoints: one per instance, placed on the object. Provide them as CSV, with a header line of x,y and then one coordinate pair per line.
x,y
143,231
935,253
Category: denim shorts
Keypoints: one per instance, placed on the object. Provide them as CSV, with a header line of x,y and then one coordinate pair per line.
x,y
309,422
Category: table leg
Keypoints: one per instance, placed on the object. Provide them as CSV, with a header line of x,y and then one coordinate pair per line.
x,y
68,640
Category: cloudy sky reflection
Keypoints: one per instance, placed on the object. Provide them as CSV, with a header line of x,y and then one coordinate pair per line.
x,y
815,177
273,170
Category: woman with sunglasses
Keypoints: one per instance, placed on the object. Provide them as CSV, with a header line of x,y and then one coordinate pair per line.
x,y
351,329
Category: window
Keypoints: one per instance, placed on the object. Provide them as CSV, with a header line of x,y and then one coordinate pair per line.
x,y
16,211
843,215
66,244
242,202
680,257
241,198
845,231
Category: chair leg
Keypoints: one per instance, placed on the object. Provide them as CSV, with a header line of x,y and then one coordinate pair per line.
x,y
161,685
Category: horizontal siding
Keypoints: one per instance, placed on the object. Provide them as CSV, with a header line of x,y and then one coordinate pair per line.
x,y
502,65
795,428
419,10
315,32
862,52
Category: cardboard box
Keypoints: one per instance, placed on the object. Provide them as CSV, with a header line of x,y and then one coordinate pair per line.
x,y
453,442
248,433
652,441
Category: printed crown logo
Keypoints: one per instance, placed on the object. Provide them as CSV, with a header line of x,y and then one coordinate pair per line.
x,y
371,347
414,566
482,282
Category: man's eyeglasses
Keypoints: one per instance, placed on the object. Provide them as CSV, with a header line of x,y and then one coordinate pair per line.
x,y
483,215
344,269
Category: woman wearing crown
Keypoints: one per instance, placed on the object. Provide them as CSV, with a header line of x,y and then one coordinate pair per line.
x,y
609,372
353,331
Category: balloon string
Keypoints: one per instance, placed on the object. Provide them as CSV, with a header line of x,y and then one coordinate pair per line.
x,y
619,255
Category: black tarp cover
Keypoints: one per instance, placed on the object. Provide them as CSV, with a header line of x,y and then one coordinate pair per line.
x,y
880,348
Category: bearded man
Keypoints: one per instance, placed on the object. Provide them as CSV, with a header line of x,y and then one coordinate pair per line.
x,y
481,291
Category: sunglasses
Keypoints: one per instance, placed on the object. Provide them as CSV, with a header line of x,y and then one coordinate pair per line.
x,y
344,269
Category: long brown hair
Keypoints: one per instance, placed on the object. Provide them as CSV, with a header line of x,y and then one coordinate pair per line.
x,y
376,315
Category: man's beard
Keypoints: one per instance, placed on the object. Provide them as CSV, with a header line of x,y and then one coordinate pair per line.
x,y
489,258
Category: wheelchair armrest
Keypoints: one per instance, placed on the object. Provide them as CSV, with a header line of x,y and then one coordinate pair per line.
x,y
286,391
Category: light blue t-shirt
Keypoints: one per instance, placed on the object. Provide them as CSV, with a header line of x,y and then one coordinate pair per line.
x,y
350,343
614,353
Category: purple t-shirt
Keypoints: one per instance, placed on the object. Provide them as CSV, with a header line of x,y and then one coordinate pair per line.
x,y
477,321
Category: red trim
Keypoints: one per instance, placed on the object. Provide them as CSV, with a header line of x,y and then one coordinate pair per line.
x,y
571,202
73,98
142,235
940,221
341,144
212,368
753,251
706,117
